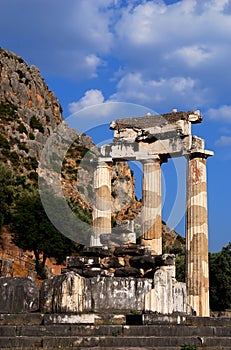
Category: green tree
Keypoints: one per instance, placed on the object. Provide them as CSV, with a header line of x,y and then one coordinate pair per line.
x,y
220,279
33,231
10,189
180,267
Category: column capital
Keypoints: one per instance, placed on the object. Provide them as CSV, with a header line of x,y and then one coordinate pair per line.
x,y
154,159
104,160
204,154
102,163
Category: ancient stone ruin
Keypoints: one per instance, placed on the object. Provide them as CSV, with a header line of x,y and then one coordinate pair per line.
x,y
115,274
153,139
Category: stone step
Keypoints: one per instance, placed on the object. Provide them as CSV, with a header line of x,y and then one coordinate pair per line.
x,y
107,348
217,347
177,331
110,330
112,342
131,348
142,348
21,342
153,319
142,319
208,321
119,348
21,319
38,331
125,342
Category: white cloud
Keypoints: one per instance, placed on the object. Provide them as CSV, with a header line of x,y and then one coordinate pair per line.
x,y
137,26
68,41
179,92
88,113
178,52
185,27
224,141
90,98
217,5
222,113
90,22
191,55
94,100
93,110
187,39
92,62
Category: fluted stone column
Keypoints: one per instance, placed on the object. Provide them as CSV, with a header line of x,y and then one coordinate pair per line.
x,y
101,214
197,272
151,211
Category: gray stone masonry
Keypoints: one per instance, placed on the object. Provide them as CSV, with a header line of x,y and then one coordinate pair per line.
x,y
18,294
165,333
128,278
120,261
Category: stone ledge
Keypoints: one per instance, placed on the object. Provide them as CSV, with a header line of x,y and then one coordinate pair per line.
x,y
69,319
37,319
21,319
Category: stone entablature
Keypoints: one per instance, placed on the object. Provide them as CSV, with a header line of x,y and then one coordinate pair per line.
x,y
166,135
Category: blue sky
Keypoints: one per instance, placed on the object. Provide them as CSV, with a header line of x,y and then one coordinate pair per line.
x,y
157,54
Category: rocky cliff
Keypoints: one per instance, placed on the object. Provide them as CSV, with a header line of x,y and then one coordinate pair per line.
x,y
29,114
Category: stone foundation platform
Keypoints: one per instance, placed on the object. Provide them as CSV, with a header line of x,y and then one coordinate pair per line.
x,y
120,278
40,331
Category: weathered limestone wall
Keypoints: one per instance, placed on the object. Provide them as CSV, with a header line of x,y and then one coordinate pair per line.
x,y
70,293
152,206
118,293
73,293
197,274
168,295
65,293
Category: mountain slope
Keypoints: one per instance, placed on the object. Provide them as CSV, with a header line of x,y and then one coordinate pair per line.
x,y
29,114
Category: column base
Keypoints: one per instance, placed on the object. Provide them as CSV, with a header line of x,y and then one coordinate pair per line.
x,y
95,242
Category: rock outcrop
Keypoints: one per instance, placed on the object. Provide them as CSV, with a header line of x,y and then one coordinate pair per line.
x,y
29,114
